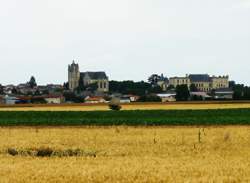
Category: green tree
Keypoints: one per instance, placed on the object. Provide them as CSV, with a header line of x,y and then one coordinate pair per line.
x,y
72,97
130,87
193,88
1,90
170,87
182,93
32,82
149,98
153,79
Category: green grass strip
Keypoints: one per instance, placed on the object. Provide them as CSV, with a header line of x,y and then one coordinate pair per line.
x,y
133,118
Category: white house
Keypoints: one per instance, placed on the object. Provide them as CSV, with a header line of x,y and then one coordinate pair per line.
x,y
167,97
54,99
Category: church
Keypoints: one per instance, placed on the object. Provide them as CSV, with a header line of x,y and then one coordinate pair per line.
x,y
75,76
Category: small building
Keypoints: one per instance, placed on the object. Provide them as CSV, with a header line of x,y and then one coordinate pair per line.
x,y
223,94
125,100
200,96
54,99
9,100
167,97
132,98
94,100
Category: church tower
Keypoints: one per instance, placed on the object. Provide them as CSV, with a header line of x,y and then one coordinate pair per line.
x,y
73,76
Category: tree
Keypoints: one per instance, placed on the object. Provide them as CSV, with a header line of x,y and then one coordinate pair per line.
x,y
14,91
170,87
1,90
193,88
32,82
135,88
72,97
232,84
153,79
182,93
115,104
66,86
149,98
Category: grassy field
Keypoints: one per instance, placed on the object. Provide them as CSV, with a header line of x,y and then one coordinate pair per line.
x,y
130,117
135,106
127,154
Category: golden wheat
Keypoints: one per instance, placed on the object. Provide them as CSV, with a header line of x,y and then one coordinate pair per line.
x,y
127,154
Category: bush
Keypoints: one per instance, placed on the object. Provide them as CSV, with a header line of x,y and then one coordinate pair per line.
x,y
115,104
12,152
115,107
43,152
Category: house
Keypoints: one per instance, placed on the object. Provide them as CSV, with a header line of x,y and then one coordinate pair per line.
x,y
10,100
54,99
125,100
167,97
94,100
132,98
223,93
200,96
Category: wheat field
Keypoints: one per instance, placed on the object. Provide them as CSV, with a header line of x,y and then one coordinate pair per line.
x,y
128,154
139,106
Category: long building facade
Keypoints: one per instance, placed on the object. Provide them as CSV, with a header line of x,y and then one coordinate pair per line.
x,y
203,82
75,76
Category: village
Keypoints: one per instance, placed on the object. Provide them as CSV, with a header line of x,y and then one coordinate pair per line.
x,y
95,87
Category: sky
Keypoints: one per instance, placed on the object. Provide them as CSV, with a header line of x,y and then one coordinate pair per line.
x,y
129,39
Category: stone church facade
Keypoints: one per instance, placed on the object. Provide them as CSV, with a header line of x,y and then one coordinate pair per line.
x,y
75,76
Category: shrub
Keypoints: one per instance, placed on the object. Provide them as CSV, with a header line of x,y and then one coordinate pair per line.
x,y
115,104
12,152
115,107
43,152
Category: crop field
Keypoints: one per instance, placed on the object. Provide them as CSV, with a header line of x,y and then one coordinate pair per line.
x,y
130,117
125,154
132,106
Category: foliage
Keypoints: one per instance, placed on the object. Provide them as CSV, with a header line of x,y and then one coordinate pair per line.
x,y
149,98
1,90
241,92
153,79
115,107
182,93
38,100
32,82
66,86
72,97
130,87
170,87
115,104
140,117
193,88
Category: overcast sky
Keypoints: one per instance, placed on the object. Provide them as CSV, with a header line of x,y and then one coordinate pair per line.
x,y
129,39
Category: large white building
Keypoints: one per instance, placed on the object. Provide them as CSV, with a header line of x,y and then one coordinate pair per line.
x,y
203,82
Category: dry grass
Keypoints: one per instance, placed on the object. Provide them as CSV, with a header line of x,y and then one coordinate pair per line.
x,y
139,106
127,154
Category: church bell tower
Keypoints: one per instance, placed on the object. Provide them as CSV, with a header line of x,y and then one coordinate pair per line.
x,y
73,76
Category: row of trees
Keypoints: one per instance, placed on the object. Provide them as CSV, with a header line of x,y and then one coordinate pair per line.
x,y
136,88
